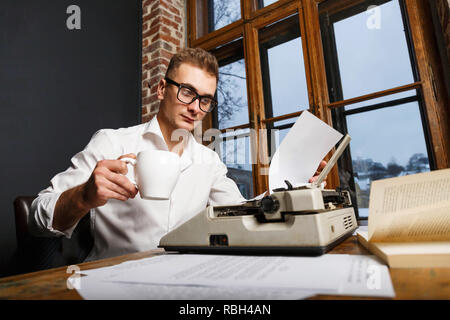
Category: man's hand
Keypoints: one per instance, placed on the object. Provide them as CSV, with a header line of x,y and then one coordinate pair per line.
x,y
322,165
108,181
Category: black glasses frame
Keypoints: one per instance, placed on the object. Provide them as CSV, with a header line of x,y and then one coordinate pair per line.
x,y
197,96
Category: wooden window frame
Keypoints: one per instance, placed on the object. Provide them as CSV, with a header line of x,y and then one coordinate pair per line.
x,y
431,84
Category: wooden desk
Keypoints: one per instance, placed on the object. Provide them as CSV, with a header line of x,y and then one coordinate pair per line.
x,y
424,283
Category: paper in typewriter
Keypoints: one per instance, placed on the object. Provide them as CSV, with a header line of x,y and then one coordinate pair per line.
x,y
301,151
411,208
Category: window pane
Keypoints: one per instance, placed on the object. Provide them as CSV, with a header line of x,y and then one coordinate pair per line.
x,y
385,143
283,69
235,152
287,78
372,51
232,95
222,13
265,3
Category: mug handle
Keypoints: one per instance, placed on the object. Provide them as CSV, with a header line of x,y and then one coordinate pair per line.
x,y
132,162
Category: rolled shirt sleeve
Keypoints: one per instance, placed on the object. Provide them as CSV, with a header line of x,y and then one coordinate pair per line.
x,y
40,220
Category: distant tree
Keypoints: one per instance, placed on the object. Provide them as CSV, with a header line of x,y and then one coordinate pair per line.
x,y
377,171
393,169
224,13
229,87
418,163
361,167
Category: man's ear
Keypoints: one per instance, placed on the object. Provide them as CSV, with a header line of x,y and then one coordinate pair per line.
x,y
161,89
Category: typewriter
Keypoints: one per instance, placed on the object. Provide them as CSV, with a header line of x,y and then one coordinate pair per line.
x,y
303,220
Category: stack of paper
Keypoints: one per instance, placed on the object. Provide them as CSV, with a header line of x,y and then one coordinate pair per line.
x,y
176,276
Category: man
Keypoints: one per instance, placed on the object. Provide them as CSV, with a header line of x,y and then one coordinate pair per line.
x,y
96,184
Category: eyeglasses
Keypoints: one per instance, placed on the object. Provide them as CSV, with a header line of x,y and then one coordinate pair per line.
x,y
188,95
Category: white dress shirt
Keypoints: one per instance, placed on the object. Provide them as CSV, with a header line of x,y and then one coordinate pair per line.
x,y
121,227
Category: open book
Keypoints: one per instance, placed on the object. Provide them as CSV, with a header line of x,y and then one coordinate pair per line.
x,y
409,220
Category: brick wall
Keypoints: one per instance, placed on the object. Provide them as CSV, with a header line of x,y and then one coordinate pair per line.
x,y
164,33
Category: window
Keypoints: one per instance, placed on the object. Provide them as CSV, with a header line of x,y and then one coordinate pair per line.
x,y
369,51
366,67
232,95
222,13
283,75
235,152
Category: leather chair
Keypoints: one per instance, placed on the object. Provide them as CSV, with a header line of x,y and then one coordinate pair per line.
x,y
39,253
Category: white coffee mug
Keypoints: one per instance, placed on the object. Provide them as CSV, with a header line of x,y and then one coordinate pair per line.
x,y
156,173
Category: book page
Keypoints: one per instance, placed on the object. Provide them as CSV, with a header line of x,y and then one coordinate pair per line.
x,y
411,208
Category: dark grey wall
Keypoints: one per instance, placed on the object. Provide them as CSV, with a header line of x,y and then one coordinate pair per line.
x,y
59,86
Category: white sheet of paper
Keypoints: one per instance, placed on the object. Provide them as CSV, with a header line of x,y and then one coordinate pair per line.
x,y
367,276
240,271
258,197
299,154
95,289
221,276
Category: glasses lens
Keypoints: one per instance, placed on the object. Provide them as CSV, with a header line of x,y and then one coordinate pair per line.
x,y
207,104
186,95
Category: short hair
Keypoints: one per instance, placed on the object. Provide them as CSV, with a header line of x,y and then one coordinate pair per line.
x,y
197,57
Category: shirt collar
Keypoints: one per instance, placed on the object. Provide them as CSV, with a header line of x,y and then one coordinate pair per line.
x,y
154,130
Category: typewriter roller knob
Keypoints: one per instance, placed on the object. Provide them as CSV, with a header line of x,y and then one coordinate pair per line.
x,y
269,205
